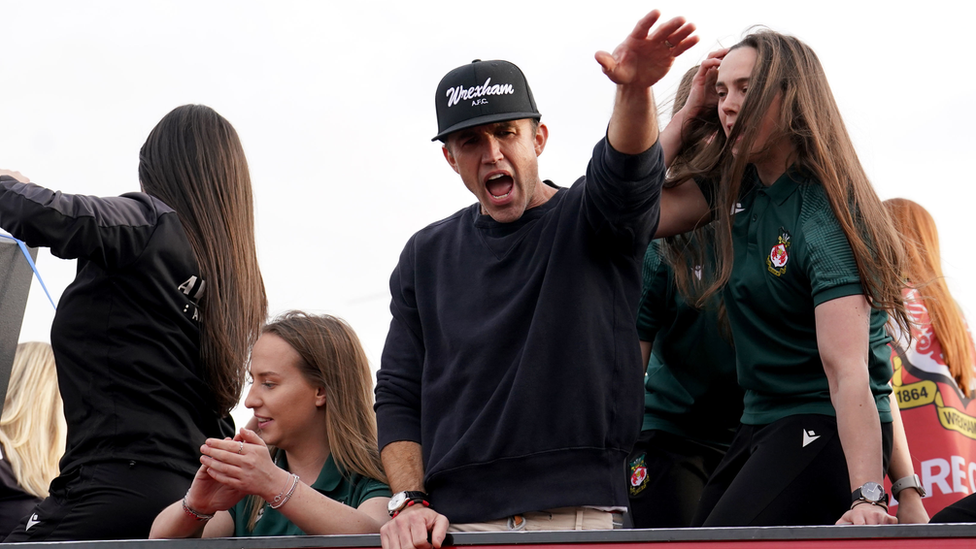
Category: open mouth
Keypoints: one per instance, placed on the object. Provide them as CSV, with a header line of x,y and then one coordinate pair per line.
x,y
500,186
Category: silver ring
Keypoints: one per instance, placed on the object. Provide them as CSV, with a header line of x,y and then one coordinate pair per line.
x,y
668,44
241,449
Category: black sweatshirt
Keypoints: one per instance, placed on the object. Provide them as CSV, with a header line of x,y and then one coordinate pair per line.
x,y
125,336
513,357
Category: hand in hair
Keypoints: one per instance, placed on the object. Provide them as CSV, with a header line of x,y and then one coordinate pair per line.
x,y
16,175
702,94
642,59
247,469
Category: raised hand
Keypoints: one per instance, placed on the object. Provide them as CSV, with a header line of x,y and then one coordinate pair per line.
x,y
644,57
702,94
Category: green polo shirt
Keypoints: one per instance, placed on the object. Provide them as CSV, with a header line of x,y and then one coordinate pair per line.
x,y
690,389
790,256
351,490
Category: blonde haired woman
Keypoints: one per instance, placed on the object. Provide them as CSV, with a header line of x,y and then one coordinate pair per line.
x,y
312,398
32,433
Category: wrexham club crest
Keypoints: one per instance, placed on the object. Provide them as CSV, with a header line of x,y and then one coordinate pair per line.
x,y
638,475
779,256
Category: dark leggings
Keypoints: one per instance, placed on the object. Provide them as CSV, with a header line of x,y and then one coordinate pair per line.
x,y
677,469
790,472
105,500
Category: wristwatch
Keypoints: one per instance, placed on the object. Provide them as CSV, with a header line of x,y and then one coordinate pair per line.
x,y
908,482
402,500
870,492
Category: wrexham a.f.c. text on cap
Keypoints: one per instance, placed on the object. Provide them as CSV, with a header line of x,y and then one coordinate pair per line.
x,y
482,92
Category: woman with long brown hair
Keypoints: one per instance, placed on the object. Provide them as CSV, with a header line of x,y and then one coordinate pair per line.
x,y
152,336
313,402
808,264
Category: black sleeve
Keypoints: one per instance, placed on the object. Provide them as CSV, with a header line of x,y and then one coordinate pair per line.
x,y
111,232
622,196
398,381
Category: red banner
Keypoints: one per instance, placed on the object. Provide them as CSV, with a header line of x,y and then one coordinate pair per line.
x,y
940,422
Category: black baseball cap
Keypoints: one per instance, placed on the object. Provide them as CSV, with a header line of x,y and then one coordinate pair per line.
x,y
482,92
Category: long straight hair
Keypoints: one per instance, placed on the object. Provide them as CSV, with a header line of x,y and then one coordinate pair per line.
x,y
693,255
923,270
32,428
812,121
194,162
333,357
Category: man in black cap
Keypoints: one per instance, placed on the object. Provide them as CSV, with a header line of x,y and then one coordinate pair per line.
x,y
510,383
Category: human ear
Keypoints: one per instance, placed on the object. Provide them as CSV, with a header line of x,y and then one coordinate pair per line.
x,y
541,137
450,158
320,396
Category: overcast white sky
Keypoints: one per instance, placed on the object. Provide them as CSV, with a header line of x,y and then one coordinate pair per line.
x,y
334,104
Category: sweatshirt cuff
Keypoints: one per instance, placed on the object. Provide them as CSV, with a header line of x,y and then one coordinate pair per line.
x,y
630,167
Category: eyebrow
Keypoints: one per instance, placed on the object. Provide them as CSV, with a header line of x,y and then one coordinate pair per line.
x,y
734,82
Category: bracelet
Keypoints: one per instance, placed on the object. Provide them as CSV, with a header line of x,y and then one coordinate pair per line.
x,y
878,503
190,511
282,497
423,502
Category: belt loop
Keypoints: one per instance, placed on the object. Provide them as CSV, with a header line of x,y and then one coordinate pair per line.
x,y
579,517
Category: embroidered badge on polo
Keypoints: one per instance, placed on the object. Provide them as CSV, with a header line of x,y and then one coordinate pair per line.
x,y
638,475
779,255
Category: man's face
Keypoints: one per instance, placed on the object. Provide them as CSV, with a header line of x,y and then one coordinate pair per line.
x,y
499,163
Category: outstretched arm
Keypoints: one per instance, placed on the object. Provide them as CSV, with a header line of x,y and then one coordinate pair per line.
x,y
404,466
639,62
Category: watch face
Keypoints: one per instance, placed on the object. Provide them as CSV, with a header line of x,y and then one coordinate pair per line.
x,y
396,501
872,491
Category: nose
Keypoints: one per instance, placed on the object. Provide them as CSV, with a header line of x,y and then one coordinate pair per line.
x,y
492,152
252,401
730,106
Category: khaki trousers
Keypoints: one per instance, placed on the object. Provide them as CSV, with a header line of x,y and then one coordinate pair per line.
x,y
563,518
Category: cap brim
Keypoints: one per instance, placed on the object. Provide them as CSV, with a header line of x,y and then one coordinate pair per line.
x,y
487,119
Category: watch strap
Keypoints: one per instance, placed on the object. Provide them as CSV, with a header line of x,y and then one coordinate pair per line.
x,y
408,498
911,481
409,503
